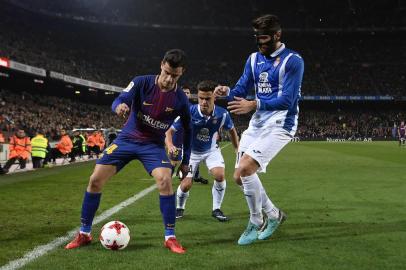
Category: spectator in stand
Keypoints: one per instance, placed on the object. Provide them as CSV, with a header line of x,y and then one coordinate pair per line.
x,y
20,149
62,148
92,145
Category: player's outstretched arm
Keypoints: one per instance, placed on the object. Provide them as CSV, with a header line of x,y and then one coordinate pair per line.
x,y
169,141
234,138
185,121
121,105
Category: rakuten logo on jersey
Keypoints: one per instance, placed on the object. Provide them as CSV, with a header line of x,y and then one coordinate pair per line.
x,y
149,121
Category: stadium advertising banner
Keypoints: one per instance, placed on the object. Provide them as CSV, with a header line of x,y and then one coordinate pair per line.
x,y
79,81
347,98
27,68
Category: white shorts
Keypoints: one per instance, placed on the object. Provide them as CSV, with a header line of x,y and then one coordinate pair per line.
x,y
212,158
262,144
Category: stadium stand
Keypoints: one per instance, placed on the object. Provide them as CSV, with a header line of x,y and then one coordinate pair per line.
x,y
337,62
346,55
33,112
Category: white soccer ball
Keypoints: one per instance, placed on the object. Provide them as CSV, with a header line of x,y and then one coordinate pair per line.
x,y
114,235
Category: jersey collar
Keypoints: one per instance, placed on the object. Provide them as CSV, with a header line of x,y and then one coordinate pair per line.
x,y
278,51
202,115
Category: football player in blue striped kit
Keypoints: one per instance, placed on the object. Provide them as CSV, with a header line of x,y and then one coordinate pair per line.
x,y
275,72
152,103
207,120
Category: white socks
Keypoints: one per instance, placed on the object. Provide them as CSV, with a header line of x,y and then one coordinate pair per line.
x,y
181,198
269,208
218,190
252,187
252,191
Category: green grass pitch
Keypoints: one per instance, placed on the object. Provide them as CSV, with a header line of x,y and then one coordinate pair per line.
x,y
346,204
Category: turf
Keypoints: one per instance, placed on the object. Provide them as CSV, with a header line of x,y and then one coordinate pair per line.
x,y
346,205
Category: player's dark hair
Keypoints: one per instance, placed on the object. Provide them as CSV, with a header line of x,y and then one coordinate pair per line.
x,y
185,86
206,86
268,23
175,58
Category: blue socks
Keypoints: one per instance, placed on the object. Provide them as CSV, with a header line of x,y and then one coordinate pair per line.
x,y
90,205
168,211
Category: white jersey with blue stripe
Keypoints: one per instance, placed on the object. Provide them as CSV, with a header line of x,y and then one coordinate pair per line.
x,y
205,128
277,81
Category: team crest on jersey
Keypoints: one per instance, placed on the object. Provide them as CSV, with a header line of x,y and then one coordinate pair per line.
x,y
128,88
263,77
204,135
277,61
214,121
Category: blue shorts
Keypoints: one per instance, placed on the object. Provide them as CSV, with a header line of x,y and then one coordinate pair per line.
x,y
120,152
178,155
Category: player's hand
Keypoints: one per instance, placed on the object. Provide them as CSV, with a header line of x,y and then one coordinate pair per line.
x,y
172,149
122,110
241,106
221,91
183,171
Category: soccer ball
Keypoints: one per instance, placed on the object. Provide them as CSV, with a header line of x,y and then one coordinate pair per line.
x,y
114,235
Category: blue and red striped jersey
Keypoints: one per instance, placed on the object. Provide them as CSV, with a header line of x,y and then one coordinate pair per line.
x,y
153,111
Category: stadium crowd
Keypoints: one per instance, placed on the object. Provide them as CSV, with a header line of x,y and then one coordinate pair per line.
x,y
337,63
351,125
37,112
307,14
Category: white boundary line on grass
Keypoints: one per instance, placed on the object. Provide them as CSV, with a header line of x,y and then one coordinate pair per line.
x,y
43,249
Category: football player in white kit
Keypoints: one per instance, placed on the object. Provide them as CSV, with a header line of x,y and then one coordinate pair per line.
x,y
275,72
207,120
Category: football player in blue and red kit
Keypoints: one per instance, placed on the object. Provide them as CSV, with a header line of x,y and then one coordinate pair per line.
x,y
152,103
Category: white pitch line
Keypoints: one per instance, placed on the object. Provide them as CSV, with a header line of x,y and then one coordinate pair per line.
x,y
43,249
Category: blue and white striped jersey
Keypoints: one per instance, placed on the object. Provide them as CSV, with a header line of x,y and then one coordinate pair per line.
x,y
205,128
277,81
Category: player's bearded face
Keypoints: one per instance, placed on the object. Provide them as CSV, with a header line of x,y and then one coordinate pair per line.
x,y
169,76
206,102
266,42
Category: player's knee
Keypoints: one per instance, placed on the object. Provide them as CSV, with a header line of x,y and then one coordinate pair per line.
x,y
237,177
246,170
219,177
247,166
186,184
164,183
95,183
